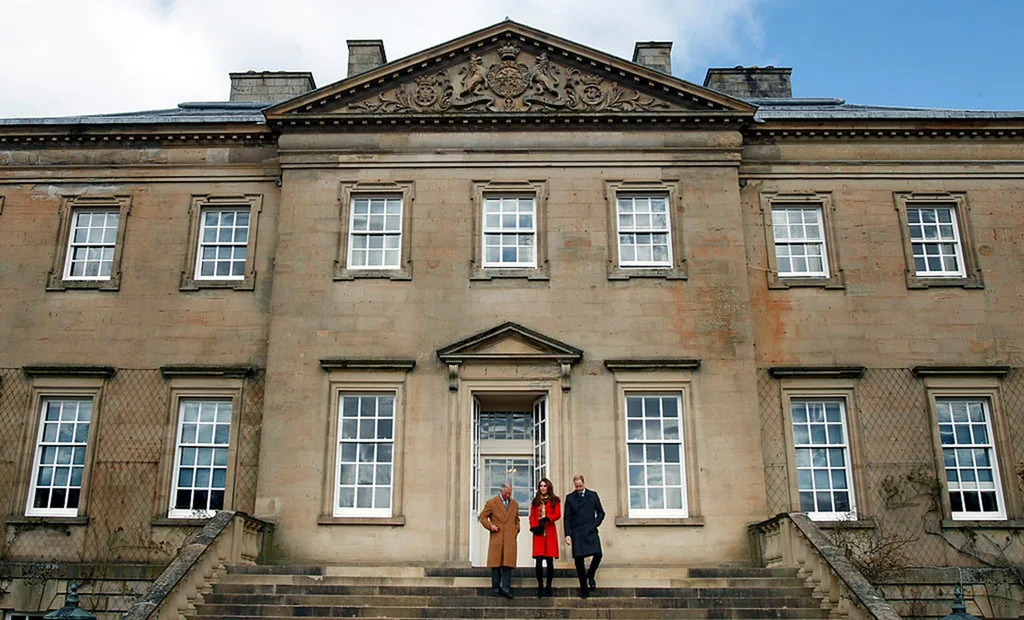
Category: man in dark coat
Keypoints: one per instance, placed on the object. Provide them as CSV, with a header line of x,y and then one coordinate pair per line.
x,y
581,517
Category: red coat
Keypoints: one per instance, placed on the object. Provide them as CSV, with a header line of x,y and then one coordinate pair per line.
x,y
547,545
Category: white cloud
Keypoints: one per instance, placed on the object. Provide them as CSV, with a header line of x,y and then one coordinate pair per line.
x,y
63,57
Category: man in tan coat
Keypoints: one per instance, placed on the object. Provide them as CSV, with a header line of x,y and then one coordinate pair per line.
x,y
501,517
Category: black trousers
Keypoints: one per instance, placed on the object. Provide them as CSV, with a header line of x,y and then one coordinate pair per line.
x,y
501,579
584,574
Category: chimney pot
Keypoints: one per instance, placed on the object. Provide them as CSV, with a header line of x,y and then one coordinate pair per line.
x,y
751,82
656,55
270,86
365,54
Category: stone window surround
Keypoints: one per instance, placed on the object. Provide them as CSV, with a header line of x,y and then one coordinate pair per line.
x,y
539,191
198,383
55,279
200,202
817,383
821,200
1,205
347,191
59,381
968,243
346,376
675,211
656,376
984,384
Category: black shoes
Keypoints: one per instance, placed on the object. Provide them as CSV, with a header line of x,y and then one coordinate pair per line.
x,y
547,592
495,593
591,583
507,594
584,593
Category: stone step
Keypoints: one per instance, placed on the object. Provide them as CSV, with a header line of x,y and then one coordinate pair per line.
x,y
611,580
228,587
666,571
485,600
513,609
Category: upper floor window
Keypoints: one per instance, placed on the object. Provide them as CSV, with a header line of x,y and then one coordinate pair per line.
x,y
91,244
820,438
60,457
799,233
969,459
645,235
375,232
223,244
938,241
935,241
510,232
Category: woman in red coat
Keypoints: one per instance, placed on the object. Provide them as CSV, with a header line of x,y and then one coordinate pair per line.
x,y
544,511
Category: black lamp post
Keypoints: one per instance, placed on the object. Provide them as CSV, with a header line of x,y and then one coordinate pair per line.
x,y
959,608
71,608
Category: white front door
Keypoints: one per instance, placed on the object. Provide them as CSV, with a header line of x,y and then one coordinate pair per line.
x,y
505,449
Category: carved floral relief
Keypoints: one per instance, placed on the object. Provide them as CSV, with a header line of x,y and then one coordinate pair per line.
x,y
504,84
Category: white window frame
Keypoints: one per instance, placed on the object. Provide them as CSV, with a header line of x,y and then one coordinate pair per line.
x,y
387,232
777,228
103,245
653,229
340,461
500,201
843,446
77,446
990,446
218,244
679,442
195,513
954,239
24,615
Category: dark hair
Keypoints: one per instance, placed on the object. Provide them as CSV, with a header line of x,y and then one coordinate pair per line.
x,y
551,493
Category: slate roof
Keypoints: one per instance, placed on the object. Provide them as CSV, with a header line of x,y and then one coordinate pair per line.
x,y
185,113
838,109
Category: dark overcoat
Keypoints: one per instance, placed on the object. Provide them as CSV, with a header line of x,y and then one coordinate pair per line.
x,y
581,516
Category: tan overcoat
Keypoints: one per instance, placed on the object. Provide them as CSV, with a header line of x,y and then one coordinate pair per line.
x,y
501,550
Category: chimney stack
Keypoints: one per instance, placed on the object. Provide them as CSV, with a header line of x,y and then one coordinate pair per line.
x,y
365,54
656,55
751,82
270,86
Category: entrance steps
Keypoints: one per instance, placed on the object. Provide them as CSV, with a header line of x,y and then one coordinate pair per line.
x,y
627,592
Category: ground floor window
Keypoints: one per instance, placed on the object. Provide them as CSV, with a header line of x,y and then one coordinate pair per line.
x,y
654,448
820,439
365,455
59,463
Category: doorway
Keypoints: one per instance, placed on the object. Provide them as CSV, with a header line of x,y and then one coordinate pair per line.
x,y
510,443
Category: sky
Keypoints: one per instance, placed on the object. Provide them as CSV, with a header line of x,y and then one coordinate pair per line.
x,y
70,57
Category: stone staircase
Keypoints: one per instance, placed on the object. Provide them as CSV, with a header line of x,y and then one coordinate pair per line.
x,y
277,592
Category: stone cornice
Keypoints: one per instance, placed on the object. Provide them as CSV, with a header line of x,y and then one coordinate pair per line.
x,y
198,370
348,363
68,370
961,371
652,363
165,134
817,372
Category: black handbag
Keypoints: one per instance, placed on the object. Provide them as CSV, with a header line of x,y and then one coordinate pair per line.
x,y
537,530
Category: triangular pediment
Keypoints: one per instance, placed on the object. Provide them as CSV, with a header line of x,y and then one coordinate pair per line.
x,y
509,342
502,71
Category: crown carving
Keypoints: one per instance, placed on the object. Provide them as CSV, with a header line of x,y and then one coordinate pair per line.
x,y
509,51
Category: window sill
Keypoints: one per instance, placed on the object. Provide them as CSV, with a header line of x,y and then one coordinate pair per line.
x,y
58,283
839,524
46,521
664,273
497,273
651,521
997,524
390,521
922,282
776,281
188,283
398,275
178,522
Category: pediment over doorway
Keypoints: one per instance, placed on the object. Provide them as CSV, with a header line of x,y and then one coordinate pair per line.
x,y
509,342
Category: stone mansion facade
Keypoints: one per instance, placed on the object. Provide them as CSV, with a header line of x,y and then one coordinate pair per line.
x,y
353,310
